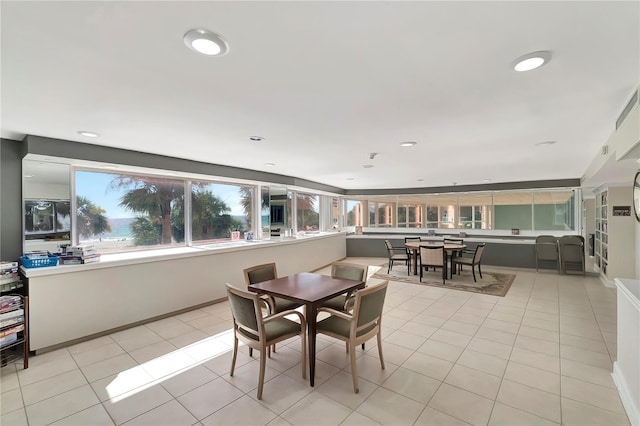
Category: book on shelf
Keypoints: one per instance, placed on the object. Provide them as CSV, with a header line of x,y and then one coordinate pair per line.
x,y
6,287
8,265
9,279
10,301
37,255
12,330
79,260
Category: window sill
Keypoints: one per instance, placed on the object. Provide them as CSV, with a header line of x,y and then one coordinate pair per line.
x,y
111,260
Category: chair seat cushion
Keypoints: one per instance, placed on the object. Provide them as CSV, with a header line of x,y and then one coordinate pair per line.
x,y
285,304
336,303
399,257
340,326
276,328
463,260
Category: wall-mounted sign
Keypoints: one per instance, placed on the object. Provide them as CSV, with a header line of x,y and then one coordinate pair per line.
x,y
622,210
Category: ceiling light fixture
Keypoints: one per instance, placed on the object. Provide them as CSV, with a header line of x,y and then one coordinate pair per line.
x,y
28,176
486,180
269,164
419,180
368,166
408,143
88,134
205,42
545,143
256,138
531,61
351,178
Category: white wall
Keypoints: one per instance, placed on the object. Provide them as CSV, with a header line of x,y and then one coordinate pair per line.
x,y
75,302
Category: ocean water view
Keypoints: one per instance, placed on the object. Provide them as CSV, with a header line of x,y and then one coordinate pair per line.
x,y
120,229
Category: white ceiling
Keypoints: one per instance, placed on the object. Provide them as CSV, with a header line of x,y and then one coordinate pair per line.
x,y
327,83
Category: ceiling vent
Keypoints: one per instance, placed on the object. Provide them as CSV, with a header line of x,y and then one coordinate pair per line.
x,y
604,150
627,109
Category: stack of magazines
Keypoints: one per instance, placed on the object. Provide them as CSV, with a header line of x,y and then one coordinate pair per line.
x,y
9,277
76,255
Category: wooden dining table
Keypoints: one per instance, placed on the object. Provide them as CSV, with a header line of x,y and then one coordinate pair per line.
x,y
414,246
311,290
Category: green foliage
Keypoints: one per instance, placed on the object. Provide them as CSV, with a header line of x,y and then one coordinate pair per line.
x,y
91,218
145,232
152,196
210,218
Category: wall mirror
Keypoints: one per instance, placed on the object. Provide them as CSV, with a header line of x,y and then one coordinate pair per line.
x,y
46,194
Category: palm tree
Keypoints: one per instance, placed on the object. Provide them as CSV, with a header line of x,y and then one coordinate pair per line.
x,y
209,217
91,218
153,196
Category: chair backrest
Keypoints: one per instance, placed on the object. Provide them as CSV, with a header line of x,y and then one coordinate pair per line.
x,y
453,240
245,308
260,273
571,239
349,271
368,305
546,247
478,253
432,255
411,240
389,247
571,248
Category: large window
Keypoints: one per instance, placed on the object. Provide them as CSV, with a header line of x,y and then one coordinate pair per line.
x,y
307,212
442,211
216,210
553,210
475,211
354,214
117,212
513,210
410,211
381,214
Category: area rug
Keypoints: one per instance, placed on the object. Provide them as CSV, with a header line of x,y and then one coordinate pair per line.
x,y
491,283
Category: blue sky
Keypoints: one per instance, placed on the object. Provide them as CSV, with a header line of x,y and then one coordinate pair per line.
x,y
96,187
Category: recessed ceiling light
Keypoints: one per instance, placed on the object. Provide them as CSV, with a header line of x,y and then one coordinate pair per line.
x,y
88,134
351,178
419,180
368,166
545,143
486,180
256,138
28,176
532,61
408,143
205,42
269,164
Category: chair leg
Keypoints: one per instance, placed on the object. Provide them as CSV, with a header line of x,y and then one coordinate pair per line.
x,y
363,346
263,361
473,270
480,270
379,338
251,352
235,355
303,338
354,369
421,269
390,265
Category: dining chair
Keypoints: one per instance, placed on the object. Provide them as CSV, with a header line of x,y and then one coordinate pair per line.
x,y
471,261
359,326
409,251
433,256
265,272
346,271
572,253
397,254
452,254
547,250
258,332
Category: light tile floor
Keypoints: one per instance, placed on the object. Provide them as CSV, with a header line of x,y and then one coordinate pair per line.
x,y
541,355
